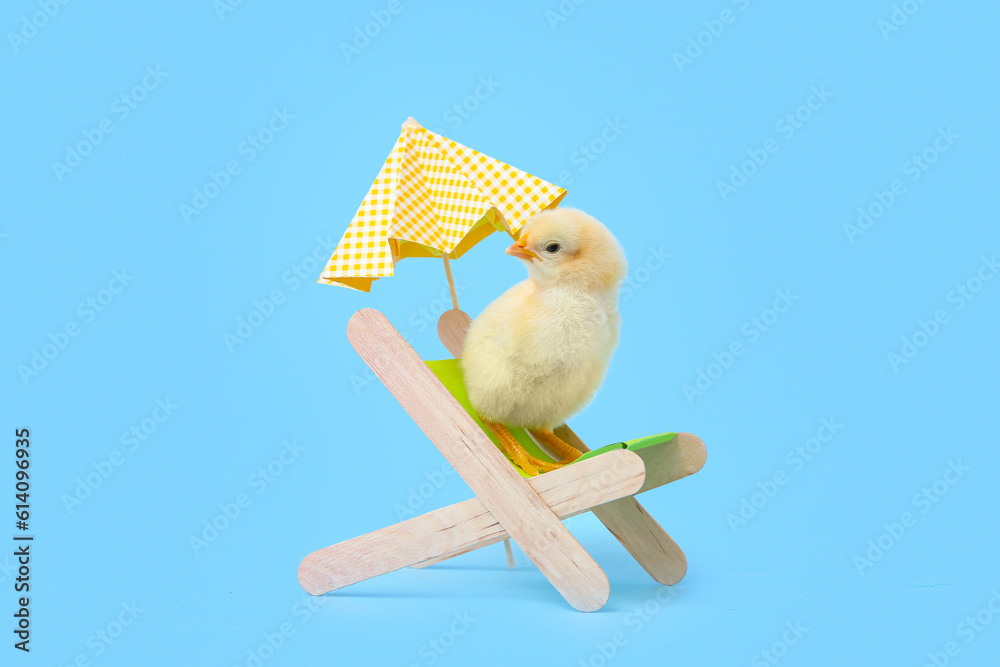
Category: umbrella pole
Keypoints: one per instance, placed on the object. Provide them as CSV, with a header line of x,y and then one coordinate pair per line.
x,y
451,282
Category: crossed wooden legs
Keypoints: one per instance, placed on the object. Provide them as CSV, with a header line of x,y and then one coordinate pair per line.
x,y
627,520
506,505
467,525
513,503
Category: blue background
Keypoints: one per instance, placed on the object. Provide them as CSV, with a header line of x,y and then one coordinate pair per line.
x,y
562,77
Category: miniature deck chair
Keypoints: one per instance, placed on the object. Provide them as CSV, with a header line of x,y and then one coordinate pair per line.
x,y
527,510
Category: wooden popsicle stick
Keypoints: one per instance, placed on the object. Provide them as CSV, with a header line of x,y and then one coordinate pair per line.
x,y
684,455
464,526
516,505
459,552
451,282
452,327
629,521
644,539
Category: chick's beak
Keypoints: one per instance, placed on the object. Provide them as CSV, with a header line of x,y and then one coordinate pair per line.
x,y
520,250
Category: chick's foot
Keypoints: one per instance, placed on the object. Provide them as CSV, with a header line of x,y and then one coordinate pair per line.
x,y
518,454
563,449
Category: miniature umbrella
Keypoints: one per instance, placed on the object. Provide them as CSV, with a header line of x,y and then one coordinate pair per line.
x,y
434,197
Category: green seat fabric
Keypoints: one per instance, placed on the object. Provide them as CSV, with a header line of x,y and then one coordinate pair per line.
x,y
449,372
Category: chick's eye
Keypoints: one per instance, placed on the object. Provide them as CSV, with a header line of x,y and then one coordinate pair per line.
x,y
552,248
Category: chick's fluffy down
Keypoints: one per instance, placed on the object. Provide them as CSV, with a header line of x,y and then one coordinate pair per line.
x,y
537,355
537,371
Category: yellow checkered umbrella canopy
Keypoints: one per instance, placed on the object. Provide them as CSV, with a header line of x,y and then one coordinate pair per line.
x,y
433,197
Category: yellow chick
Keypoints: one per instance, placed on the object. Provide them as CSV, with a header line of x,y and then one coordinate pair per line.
x,y
537,355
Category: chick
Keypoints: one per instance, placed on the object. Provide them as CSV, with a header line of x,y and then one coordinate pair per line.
x,y
537,355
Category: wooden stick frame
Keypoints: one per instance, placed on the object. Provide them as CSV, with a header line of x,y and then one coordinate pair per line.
x,y
528,511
